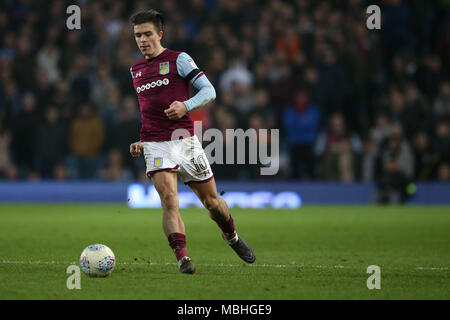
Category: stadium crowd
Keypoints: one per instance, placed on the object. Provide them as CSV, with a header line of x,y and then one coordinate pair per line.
x,y
352,104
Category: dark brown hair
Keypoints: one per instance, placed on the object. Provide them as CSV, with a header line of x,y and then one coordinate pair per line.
x,y
151,15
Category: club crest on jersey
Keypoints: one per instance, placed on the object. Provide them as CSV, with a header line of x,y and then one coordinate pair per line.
x,y
164,68
157,162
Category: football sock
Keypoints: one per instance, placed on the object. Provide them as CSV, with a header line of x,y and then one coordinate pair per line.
x,y
228,230
177,242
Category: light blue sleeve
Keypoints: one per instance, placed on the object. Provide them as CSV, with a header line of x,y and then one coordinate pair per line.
x,y
206,93
185,64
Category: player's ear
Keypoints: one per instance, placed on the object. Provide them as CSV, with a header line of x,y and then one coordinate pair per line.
x,y
160,34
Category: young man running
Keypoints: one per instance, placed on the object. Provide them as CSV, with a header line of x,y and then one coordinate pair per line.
x,y
161,81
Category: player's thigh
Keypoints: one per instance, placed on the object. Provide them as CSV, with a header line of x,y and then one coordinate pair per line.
x,y
165,183
206,192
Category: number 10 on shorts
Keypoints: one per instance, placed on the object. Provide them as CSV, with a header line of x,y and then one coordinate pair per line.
x,y
199,163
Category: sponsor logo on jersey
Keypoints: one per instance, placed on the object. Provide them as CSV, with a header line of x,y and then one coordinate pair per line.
x,y
164,68
149,85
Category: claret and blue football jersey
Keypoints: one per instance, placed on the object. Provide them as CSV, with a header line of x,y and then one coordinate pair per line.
x,y
158,82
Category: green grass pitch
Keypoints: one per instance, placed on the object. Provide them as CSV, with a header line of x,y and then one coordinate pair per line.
x,y
316,252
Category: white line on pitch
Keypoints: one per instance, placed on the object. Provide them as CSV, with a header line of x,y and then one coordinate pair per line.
x,y
144,263
208,265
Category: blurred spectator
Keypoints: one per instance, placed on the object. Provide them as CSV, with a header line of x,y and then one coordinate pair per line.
x,y
102,86
63,99
311,82
237,74
71,48
301,121
126,129
85,142
11,101
50,143
400,72
217,64
441,105
11,172
23,135
288,42
114,23
425,160
369,160
399,111
391,187
8,50
381,130
223,120
244,99
24,64
430,75
418,108
332,81
5,157
282,86
259,123
48,59
338,151
395,168
441,141
60,172
444,172
44,90
395,30
383,83
111,107
114,169
268,111
78,77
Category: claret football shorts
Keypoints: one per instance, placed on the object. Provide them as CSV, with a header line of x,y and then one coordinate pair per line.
x,y
185,156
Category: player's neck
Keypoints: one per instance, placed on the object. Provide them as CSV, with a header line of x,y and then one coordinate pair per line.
x,y
157,53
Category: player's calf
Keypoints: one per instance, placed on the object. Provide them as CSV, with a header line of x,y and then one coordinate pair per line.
x,y
219,212
217,209
211,204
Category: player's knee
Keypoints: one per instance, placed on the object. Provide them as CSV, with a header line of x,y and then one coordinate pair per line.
x,y
211,204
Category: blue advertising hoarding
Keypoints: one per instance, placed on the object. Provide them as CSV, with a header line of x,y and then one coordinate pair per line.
x,y
239,194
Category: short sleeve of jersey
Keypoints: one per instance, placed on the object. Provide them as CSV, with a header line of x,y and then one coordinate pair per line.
x,y
185,64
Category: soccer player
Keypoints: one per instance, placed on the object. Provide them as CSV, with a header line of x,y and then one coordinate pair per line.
x,y
162,80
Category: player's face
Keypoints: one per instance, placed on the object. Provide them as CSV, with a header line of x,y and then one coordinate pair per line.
x,y
148,39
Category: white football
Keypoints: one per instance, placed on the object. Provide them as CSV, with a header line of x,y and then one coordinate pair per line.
x,y
97,260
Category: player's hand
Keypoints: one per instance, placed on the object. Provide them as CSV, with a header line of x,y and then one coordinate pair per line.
x,y
136,149
176,110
